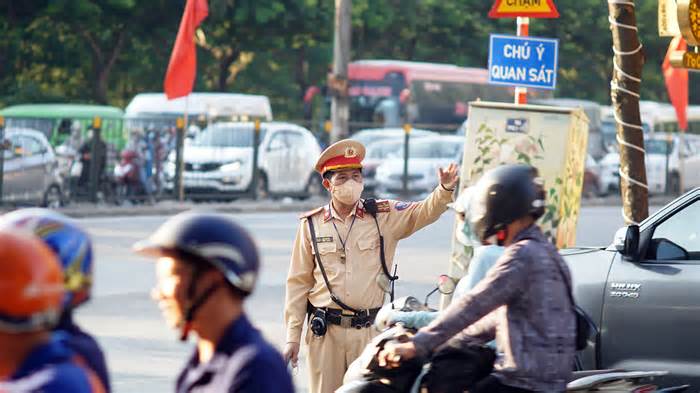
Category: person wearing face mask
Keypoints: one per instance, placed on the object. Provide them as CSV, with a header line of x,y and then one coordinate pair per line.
x,y
481,257
343,253
524,302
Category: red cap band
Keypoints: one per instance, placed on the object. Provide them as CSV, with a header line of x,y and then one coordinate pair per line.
x,y
341,162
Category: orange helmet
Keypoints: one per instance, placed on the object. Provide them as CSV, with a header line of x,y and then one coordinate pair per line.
x,y
31,283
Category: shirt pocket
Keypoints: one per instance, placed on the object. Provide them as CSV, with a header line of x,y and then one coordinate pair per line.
x,y
329,253
366,245
369,254
325,249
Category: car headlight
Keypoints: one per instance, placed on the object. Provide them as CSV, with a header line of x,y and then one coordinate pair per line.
x,y
231,167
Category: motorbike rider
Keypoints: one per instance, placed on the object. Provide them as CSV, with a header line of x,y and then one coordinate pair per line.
x,y
33,358
138,145
206,267
522,302
73,247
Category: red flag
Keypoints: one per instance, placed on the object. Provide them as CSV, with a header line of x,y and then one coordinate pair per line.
x,y
677,82
179,79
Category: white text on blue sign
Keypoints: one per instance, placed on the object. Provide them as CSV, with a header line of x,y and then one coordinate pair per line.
x,y
523,61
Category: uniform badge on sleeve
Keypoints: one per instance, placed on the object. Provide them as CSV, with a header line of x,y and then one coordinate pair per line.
x,y
383,206
402,205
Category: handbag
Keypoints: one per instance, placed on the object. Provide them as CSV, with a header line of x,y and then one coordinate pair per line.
x,y
585,327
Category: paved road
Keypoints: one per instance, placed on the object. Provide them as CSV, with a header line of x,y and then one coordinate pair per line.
x,y
144,356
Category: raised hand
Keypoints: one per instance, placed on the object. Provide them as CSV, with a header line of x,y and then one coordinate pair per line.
x,y
449,177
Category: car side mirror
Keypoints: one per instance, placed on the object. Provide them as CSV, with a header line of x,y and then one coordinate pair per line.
x,y
628,244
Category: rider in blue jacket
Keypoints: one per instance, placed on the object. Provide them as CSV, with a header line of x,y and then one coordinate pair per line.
x,y
73,247
206,266
33,358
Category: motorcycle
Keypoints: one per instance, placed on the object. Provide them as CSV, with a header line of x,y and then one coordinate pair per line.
x,y
128,178
365,375
77,188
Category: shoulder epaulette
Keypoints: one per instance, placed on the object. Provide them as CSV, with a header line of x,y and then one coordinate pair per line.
x,y
310,213
383,206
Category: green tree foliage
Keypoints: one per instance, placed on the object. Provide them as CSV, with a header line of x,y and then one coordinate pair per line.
x,y
106,51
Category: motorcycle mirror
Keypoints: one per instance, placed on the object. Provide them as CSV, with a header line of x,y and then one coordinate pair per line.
x,y
446,285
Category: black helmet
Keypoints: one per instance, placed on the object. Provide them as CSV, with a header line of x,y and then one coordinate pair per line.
x,y
503,195
212,238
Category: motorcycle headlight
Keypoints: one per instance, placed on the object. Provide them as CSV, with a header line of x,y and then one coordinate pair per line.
x,y
170,167
231,167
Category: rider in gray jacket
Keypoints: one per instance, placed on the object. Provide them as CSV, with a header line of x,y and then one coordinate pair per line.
x,y
522,302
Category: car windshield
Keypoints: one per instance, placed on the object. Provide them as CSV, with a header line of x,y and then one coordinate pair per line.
x,y
43,125
225,136
658,146
382,150
368,137
438,150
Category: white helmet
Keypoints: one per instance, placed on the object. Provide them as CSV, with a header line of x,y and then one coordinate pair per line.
x,y
464,232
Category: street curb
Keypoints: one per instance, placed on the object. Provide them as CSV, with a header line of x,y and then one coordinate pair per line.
x,y
286,205
616,201
170,208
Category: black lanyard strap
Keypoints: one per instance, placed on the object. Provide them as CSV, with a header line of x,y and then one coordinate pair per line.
x,y
347,236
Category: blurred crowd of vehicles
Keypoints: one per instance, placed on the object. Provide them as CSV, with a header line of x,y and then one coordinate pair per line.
x,y
49,147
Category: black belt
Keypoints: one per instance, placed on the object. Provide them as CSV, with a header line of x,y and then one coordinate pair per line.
x,y
335,316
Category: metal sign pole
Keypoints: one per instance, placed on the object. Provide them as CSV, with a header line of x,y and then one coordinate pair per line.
x,y
95,161
181,125
523,30
256,143
407,133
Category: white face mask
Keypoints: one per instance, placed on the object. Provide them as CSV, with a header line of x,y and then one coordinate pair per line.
x,y
349,192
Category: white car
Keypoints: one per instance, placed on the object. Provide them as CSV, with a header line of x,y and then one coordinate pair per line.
x,y
372,135
655,163
219,160
426,155
381,145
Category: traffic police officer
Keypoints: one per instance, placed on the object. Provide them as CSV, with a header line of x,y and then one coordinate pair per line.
x,y
342,256
206,266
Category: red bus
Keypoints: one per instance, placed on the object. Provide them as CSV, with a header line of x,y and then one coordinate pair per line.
x,y
385,93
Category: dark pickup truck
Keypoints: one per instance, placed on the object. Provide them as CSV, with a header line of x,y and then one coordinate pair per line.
x,y
643,292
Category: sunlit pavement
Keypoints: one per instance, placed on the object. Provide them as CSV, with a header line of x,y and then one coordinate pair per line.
x,y
145,356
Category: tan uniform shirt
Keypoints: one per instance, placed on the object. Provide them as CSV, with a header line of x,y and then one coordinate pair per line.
x,y
353,278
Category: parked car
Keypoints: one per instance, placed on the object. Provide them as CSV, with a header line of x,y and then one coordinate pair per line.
x,y
377,153
379,150
592,181
30,172
219,160
656,146
425,156
371,135
642,293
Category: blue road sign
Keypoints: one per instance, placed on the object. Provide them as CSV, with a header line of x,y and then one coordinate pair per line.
x,y
523,61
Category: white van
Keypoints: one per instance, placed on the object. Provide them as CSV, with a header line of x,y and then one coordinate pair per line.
x,y
154,109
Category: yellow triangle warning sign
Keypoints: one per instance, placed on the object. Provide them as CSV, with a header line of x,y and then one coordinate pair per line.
x,y
529,8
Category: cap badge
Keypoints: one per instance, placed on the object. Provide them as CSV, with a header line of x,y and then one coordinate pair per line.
x,y
350,152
